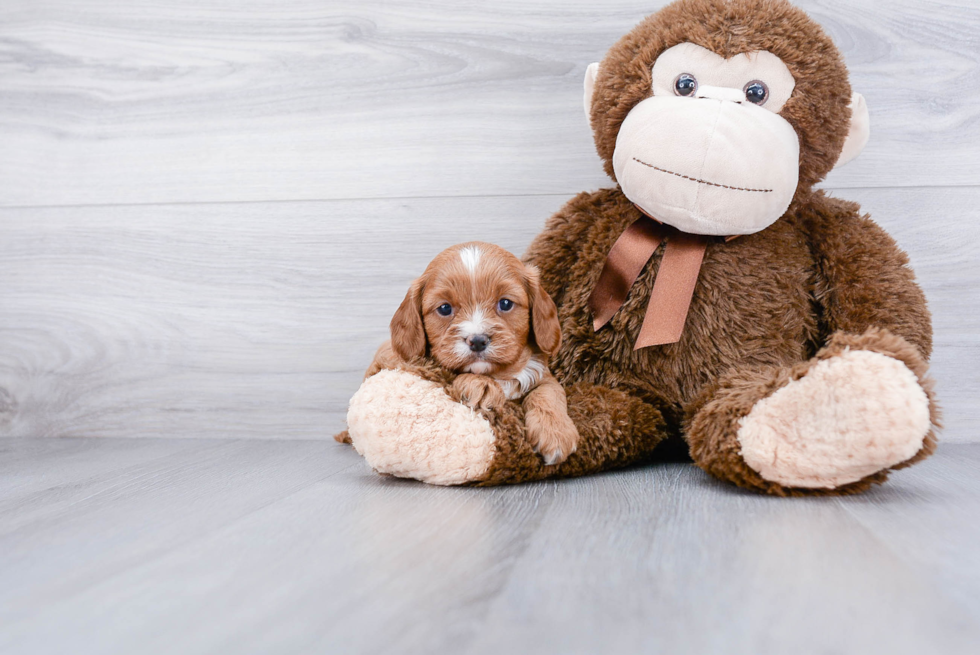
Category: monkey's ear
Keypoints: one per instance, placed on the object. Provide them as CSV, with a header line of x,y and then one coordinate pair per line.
x,y
590,74
859,133
545,326
407,329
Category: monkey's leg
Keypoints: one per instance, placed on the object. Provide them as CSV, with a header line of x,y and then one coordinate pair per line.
x,y
407,426
833,425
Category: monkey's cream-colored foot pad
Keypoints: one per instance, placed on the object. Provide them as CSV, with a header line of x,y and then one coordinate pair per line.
x,y
408,427
847,418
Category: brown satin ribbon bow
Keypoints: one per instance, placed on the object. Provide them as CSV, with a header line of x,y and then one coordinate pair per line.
x,y
673,289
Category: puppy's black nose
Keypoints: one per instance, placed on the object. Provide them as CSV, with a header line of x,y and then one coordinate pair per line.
x,y
478,342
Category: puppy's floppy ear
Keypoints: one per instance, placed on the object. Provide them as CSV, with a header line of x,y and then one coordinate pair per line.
x,y
545,327
407,329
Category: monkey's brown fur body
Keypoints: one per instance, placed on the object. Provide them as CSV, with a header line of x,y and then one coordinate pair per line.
x,y
769,308
821,278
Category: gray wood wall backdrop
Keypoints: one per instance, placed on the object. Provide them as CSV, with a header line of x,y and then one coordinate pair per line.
x,y
209,209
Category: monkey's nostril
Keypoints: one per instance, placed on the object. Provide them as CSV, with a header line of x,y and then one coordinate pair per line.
x,y
478,342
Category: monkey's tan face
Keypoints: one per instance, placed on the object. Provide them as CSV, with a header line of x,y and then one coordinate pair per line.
x,y
708,152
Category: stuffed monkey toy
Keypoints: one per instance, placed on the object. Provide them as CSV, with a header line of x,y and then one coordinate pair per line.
x,y
711,296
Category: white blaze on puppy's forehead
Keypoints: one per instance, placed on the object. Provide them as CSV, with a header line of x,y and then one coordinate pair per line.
x,y
470,256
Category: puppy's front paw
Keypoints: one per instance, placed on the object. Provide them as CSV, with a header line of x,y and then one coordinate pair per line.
x,y
477,392
553,436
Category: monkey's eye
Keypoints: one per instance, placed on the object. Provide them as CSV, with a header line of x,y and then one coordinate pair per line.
x,y
756,92
685,85
505,304
445,309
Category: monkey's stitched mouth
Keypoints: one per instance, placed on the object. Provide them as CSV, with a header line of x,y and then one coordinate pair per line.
x,y
694,179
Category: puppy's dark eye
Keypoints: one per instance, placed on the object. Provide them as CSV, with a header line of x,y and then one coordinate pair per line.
x,y
505,304
445,309
685,85
756,92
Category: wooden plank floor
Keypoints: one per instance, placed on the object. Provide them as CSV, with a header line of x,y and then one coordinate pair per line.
x,y
230,546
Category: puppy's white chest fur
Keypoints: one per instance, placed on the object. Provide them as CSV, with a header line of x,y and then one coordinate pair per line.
x,y
525,380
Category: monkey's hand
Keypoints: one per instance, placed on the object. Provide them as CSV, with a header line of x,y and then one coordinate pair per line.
x,y
477,392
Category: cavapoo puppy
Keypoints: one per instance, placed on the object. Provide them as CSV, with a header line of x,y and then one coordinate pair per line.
x,y
479,312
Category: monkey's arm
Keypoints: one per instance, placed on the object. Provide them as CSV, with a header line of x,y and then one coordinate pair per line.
x,y
864,279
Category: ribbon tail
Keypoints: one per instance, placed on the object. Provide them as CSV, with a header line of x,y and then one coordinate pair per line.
x,y
625,262
673,290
